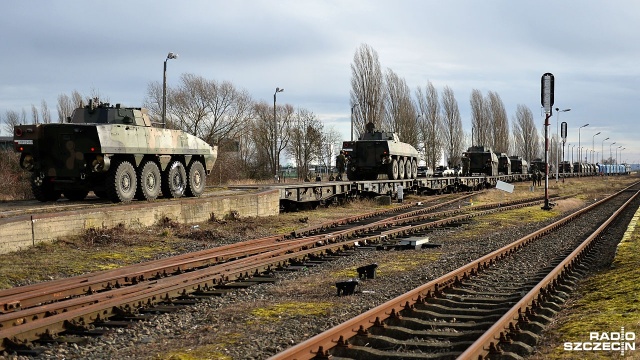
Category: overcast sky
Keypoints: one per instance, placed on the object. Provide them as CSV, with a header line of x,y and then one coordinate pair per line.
x,y
118,47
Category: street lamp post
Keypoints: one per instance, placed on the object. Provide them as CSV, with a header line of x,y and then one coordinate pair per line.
x,y
592,145
580,148
611,157
352,108
602,150
617,162
275,135
164,88
573,146
558,135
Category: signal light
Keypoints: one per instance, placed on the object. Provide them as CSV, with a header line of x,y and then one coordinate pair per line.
x,y
18,132
93,149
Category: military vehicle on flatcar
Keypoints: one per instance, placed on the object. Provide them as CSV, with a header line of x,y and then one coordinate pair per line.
x,y
114,152
504,164
519,165
478,160
378,153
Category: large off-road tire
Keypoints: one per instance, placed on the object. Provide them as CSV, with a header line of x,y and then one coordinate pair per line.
x,y
401,169
43,190
76,195
393,170
196,179
414,169
149,181
174,180
121,182
408,170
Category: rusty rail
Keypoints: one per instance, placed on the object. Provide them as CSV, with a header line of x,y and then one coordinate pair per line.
x,y
319,345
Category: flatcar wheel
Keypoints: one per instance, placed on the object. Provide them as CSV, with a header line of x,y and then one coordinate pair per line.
x,y
174,180
197,179
121,182
149,181
401,169
393,170
414,169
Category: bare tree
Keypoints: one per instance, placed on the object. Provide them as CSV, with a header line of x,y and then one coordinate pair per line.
x,y
271,136
400,114
35,115
45,112
77,99
306,140
453,134
430,124
500,123
525,134
331,145
65,107
11,119
153,102
366,88
480,120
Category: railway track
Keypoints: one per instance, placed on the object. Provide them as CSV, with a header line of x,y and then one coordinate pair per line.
x,y
42,311
493,307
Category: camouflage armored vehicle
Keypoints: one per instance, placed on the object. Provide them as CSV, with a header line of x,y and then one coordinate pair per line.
x,y
114,152
377,153
478,160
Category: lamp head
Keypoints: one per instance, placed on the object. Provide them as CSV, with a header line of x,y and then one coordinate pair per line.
x,y
279,90
172,56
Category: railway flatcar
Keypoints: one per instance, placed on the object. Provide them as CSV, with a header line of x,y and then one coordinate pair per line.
x,y
478,160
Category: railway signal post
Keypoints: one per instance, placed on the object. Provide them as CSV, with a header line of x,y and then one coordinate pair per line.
x,y
547,103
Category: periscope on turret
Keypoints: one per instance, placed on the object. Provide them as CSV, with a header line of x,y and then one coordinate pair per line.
x,y
114,151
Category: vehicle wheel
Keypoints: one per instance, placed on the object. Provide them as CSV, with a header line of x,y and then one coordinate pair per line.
x,y
393,170
121,182
174,180
408,169
414,169
76,195
401,169
43,190
148,181
197,179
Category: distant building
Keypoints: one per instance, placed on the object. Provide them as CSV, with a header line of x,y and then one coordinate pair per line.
x,y
6,143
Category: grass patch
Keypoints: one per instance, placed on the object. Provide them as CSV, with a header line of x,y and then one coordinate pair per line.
x,y
206,352
607,301
398,262
291,310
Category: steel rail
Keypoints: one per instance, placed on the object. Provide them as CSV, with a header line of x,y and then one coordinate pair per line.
x,y
489,343
31,295
27,325
319,344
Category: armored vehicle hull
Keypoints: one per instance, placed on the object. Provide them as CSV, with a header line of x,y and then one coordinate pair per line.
x,y
380,153
114,152
478,160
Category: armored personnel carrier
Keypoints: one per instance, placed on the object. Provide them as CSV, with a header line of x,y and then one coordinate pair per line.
x,y
114,152
478,160
377,153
